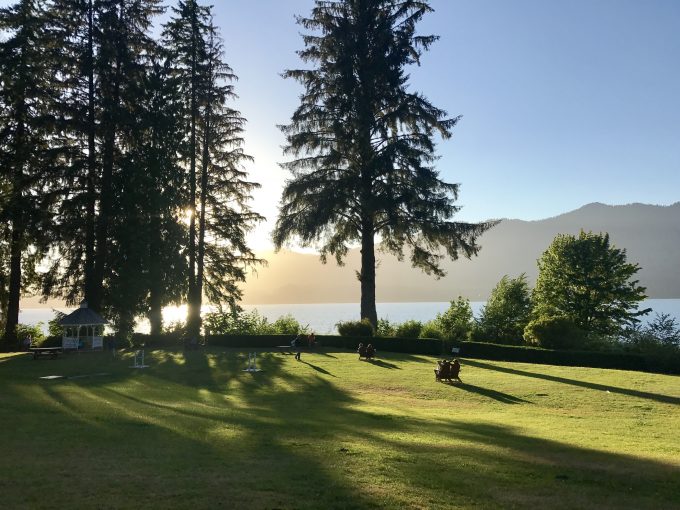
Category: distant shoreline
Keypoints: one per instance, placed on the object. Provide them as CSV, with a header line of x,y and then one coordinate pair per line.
x,y
63,306
322,317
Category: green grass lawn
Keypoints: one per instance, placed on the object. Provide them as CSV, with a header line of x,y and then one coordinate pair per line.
x,y
195,431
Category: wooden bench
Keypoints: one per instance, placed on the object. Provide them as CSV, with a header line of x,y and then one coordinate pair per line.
x,y
447,371
52,352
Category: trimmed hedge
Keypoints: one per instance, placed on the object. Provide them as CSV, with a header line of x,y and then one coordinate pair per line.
x,y
255,341
402,345
433,347
591,359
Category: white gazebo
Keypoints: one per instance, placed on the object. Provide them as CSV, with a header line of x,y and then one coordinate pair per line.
x,y
83,329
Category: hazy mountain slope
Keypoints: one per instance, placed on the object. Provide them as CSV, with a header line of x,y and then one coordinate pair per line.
x,y
650,234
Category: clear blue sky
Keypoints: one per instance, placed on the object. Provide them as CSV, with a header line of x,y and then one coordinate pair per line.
x,y
563,103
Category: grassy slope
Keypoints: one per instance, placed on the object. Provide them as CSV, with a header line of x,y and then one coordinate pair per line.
x,y
333,432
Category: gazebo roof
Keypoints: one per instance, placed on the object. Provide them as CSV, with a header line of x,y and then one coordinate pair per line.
x,y
83,316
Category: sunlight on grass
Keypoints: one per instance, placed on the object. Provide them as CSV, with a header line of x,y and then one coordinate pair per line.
x,y
333,432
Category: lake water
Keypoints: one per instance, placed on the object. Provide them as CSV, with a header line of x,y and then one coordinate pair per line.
x,y
322,317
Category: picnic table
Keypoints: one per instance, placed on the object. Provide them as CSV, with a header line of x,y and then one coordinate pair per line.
x,y
52,352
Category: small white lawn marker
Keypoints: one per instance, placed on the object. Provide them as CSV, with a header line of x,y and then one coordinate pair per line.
x,y
252,363
139,360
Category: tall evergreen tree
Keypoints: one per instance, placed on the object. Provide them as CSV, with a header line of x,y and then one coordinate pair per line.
x,y
184,36
166,236
124,45
73,42
218,189
25,125
147,239
224,214
363,145
104,54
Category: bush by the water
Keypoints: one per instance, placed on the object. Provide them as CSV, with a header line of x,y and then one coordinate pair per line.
x,y
658,342
385,328
355,328
431,330
554,333
239,322
35,332
506,313
454,324
409,329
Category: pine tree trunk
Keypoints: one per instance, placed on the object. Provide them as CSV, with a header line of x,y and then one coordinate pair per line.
x,y
155,283
110,125
14,287
91,166
155,247
367,275
155,311
17,226
193,311
201,222
102,222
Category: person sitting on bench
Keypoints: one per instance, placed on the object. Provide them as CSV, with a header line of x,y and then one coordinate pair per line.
x,y
447,370
370,351
362,351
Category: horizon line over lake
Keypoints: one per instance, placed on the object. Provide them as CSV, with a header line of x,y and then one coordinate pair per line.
x,y
322,317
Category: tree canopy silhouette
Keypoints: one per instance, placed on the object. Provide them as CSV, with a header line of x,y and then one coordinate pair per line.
x,y
363,145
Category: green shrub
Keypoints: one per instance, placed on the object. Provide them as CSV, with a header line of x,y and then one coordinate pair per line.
x,y
355,328
177,328
554,333
503,319
35,332
286,325
236,322
385,328
409,329
51,341
658,341
665,329
662,331
53,326
239,322
455,323
431,330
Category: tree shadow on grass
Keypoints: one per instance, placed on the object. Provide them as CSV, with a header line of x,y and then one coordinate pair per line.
x,y
317,368
322,352
505,398
288,440
383,364
666,399
507,468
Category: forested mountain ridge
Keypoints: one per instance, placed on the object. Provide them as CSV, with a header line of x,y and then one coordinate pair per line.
x,y
649,233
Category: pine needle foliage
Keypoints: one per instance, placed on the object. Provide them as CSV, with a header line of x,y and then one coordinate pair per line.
x,y
363,145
